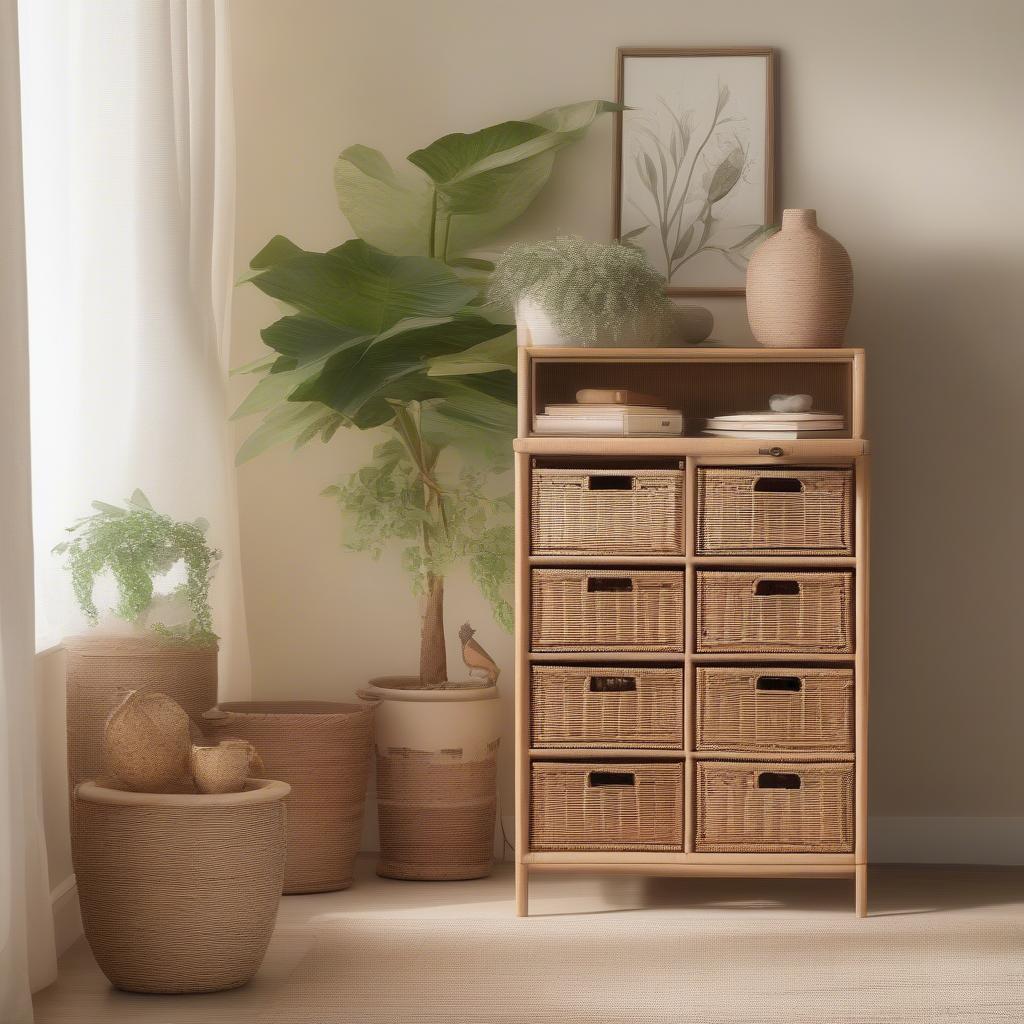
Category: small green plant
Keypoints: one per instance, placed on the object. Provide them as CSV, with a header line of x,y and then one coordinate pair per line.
x,y
591,291
137,544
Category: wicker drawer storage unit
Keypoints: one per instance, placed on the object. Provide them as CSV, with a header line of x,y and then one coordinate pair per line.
x,y
691,625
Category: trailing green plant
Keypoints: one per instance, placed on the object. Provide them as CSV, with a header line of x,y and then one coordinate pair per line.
x,y
392,330
136,545
591,291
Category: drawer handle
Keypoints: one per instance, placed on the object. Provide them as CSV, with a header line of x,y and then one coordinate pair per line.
x,y
776,588
778,780
595,779
779,684
610,483
609,585
613,684
778,485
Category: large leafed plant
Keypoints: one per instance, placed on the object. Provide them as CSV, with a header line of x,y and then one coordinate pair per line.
x,y
391,330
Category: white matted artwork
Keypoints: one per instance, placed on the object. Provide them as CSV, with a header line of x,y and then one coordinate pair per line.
x,y
694,162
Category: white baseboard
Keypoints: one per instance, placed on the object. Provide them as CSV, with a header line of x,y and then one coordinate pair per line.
x,y
67,918
946,840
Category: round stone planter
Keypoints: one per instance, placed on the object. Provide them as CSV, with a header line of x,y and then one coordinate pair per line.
x,y
179,892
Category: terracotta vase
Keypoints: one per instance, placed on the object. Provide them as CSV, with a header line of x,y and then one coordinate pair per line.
x,y
799,286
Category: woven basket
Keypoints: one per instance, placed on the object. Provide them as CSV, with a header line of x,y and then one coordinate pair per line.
x,y
775,612
322,750
611,806
179,893
607,511
775,511
774,708
607,610
767,807
581,706
100,672
436,815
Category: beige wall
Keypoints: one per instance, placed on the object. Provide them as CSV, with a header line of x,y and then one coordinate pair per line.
x,y
899,121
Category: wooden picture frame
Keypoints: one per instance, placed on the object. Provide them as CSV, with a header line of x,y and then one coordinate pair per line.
x,y
740,150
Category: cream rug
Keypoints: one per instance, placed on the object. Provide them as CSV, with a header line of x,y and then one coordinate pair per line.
x,y
670,968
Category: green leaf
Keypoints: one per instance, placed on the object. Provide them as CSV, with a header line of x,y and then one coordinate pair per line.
x,y
284,423
305,339
635,233
273,389
275,251
110,510
487,357
360,287
140,500
384,210
472,264
376,370
720,182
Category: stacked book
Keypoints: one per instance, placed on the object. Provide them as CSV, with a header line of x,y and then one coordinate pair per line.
x,y
609,413
785,426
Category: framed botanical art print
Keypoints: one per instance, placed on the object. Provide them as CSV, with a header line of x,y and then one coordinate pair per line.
x,y
695,167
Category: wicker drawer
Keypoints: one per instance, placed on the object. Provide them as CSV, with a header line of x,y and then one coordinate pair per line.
x,y
774,708
606,610
587,706
607,511
774,511
610,806
775,612
766,807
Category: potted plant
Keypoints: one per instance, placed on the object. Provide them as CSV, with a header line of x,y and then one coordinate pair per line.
x,y
151,640
569,291
391,332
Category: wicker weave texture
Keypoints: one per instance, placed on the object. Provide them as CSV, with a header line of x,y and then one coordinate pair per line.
x,y
763,511
101,670
607,511
436,816
607,610
616,805
180,894
771,807
774,708
775,612
322,750
618,706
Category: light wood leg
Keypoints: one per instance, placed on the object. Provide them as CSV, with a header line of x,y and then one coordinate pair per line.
x,y
522,891
861,890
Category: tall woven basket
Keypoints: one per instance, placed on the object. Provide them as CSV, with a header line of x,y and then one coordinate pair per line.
x,y
100,670
179,893
436,779
322,750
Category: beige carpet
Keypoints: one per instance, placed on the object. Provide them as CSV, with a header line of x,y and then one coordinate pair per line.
x,y
603,968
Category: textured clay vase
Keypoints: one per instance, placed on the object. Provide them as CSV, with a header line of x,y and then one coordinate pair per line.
x,y
799,286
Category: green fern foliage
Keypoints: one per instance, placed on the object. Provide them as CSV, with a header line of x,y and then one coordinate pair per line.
x,y
591,291
136,545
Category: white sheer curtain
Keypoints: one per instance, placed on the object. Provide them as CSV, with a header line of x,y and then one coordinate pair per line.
x,y
129,177
27,959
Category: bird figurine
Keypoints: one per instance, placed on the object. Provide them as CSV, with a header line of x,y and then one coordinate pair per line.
x,y
476,658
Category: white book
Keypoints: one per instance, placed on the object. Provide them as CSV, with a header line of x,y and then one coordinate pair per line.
x,y
787,423
668,424
768,414
603,411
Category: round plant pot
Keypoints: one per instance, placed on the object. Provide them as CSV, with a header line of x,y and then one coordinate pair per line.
x,y
101,670
322,750
799,286
436,778
534,327
179,893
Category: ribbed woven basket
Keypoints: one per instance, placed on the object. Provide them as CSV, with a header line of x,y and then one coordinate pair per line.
x,y
607,511
769,807
775,612
774,511
610,806
322,750
607,610
179,893
436,815
774,708
101,670
617,706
